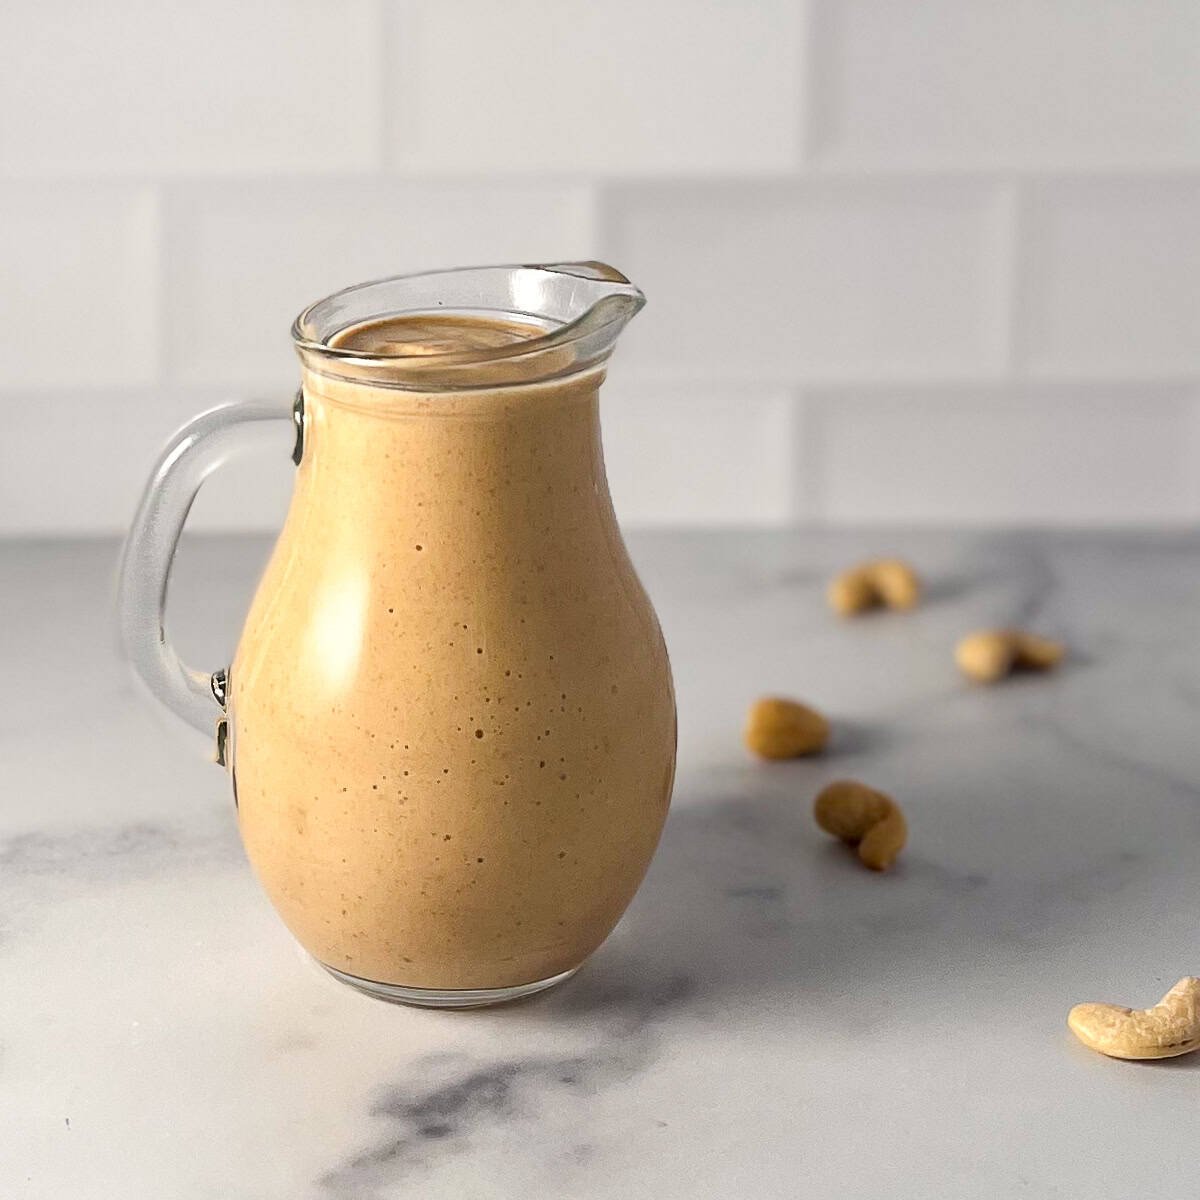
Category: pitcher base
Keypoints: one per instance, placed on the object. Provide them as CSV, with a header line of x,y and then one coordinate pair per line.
x,y
446,997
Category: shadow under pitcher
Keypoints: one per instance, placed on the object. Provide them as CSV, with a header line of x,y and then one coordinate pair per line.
x,y
449,723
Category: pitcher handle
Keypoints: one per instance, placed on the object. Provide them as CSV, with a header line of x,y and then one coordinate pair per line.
x,y
195,451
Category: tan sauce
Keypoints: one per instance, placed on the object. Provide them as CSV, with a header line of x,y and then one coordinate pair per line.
x,y
454,729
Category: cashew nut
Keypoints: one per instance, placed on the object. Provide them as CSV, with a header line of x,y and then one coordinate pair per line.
x,y
884,582
991,654
863,817
779,728
1171,1027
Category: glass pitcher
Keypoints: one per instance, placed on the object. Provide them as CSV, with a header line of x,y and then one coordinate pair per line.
x,y
449,722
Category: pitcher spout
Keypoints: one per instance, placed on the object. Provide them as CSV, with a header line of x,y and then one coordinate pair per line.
x,y
603,286
591,296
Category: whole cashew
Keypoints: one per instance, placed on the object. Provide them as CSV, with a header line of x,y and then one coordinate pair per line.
x,y
884,582
991,654
1171,1027
864,817
778,728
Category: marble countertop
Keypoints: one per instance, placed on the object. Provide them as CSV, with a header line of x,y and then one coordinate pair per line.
x,y
769,1020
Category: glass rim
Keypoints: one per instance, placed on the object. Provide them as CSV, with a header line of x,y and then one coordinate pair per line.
x,y
597,318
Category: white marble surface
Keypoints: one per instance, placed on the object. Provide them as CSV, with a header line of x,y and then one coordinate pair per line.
x,y
768,1021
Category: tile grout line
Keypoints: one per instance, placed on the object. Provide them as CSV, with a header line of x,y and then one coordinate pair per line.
x,y
1010,264
163,284
401,25
386,99
808,172
807,499
1191,499
806,88
602,201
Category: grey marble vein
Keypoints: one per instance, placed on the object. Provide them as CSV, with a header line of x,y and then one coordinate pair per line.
x,y
446,1099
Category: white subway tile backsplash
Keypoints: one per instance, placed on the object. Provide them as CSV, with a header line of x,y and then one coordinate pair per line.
x,y
969,228
1013,83
245,260
1110,277
138,86
846,279
681,455
72,463
79,295
1039,454
699,86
